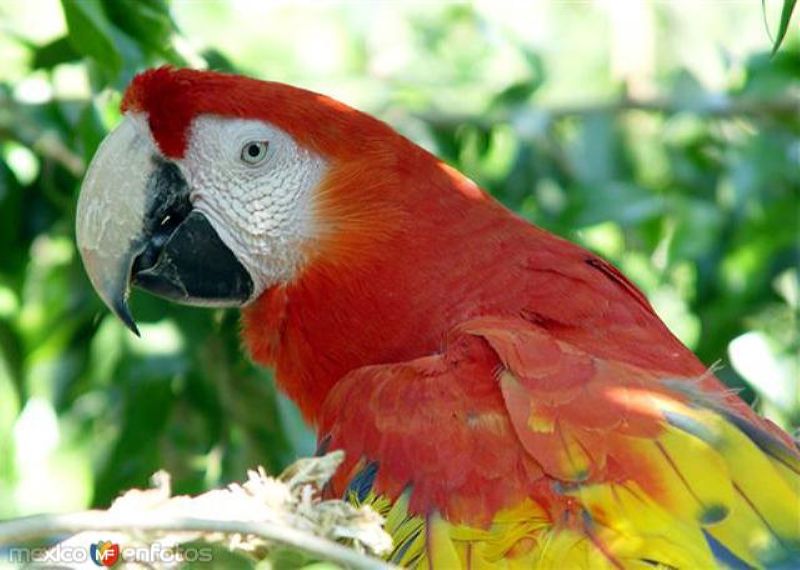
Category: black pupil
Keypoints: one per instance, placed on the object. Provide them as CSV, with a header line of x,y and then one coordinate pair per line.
x,y
253,150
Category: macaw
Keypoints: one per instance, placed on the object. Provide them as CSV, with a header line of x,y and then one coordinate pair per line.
x,y
505,398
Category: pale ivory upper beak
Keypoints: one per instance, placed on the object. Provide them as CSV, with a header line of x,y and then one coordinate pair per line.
x,y
112,203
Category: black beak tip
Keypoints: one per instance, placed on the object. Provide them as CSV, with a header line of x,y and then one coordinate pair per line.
x,y
124,314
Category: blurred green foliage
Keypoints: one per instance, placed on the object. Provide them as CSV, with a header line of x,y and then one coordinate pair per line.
x,y
685,176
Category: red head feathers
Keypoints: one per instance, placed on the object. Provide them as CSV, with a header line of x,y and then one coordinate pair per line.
x,y
173,97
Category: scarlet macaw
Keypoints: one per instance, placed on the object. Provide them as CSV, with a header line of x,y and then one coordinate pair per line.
x,y
504,397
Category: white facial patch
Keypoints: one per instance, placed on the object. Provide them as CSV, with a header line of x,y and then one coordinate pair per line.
x,y
254,183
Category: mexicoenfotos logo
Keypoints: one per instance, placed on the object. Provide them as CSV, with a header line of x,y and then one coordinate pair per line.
x,y
104,553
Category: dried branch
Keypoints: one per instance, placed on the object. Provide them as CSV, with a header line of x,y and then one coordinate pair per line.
x,y
43,526
255,517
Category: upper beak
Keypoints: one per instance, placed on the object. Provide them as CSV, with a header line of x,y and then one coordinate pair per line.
x,y
136,225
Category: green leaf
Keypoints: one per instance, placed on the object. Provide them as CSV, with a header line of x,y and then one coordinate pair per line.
x,y
54,53
12,363
90,33
147,22
133,57
520,92
218,61
517,93
12,204
786,16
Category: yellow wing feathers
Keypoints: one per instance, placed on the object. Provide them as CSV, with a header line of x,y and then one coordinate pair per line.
x,y
723,503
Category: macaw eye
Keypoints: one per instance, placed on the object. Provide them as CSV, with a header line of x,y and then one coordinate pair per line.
x,y
255,152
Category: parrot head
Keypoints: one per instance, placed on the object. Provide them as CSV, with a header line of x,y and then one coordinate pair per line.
x,y
216,187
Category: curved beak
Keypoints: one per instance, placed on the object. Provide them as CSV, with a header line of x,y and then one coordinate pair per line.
x,y
135,225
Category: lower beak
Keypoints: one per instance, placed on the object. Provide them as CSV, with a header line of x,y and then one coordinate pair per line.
x,y
136,225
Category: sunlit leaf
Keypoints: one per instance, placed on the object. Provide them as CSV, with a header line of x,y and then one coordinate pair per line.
x,y
783,27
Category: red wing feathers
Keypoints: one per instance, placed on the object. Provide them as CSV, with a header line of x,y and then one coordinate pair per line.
x,y
507,413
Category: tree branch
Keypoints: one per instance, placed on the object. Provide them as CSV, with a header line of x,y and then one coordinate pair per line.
x,y
714,107
18,531
16,126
